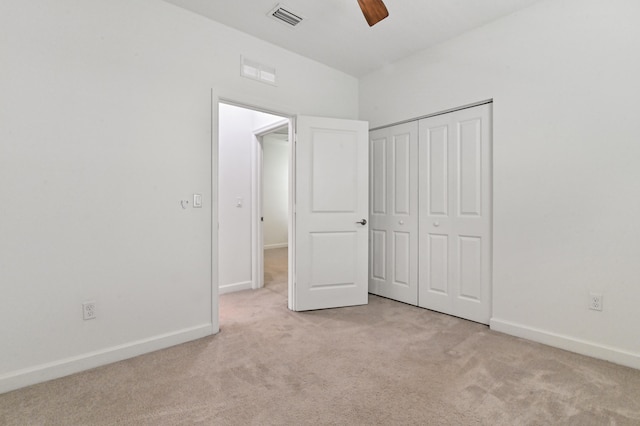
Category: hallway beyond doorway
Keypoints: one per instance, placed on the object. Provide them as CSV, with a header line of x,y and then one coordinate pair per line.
x,y
276,270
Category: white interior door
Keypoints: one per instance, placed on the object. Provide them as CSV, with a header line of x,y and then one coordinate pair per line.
x,y
331,211
393,271
455,213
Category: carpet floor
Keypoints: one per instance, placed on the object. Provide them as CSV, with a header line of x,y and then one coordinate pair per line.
x,y
385,363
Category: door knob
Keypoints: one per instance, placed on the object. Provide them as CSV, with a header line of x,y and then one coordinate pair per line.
x,y
401,222
363,222
436,224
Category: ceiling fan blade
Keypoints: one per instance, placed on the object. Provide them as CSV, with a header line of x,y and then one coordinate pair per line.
x,y
374,11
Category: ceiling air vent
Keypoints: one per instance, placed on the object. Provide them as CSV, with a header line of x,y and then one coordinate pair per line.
x,y
285,15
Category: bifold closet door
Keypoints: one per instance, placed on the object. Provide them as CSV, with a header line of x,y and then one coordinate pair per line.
x,y
455,213
393,231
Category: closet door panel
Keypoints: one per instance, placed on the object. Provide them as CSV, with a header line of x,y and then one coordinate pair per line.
x,y
394,179
435,158
455,213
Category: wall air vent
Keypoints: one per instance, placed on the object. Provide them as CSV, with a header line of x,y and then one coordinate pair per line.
x,y
257,71
285,15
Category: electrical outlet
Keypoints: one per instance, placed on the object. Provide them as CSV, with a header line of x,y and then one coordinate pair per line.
x,y
595,301
89,310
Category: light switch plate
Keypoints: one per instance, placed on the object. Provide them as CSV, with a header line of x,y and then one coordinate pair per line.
x,y
197,200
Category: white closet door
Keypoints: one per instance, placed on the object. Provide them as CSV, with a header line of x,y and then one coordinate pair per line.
x,y
455,213
393,257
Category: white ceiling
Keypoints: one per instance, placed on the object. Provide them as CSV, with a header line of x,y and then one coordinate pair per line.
x,y
335,33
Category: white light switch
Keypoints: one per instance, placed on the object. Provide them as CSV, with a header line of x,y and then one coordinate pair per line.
x,y
239,202
197,200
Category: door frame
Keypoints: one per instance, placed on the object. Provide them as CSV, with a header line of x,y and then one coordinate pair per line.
x,y
216,100
257,199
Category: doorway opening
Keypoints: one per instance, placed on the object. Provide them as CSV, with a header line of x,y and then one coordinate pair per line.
x,y
254,199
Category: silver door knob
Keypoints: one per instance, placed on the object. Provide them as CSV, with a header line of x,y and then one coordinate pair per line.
x,y
363,222
401,222
436,224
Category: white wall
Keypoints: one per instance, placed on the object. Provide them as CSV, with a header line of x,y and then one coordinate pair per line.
x,y
105,113
564,78
236,146
275,182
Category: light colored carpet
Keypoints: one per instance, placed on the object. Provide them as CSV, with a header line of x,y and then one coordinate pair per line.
x,y
384,363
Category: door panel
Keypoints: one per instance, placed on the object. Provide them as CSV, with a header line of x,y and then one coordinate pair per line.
x,y
379,176
455,213
470,167
333,256
438,166
379,253
331,197
334,166
438,265
470,251
394,213
401,252
402,167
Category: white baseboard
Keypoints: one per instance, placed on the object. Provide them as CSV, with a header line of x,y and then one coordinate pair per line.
x,y
275,246
54,370
230,288
583,347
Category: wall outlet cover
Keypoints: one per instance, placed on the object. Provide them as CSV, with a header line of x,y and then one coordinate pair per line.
x,y
89,310
595,301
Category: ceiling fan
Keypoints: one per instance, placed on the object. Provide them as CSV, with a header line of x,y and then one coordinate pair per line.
x,y
374,11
